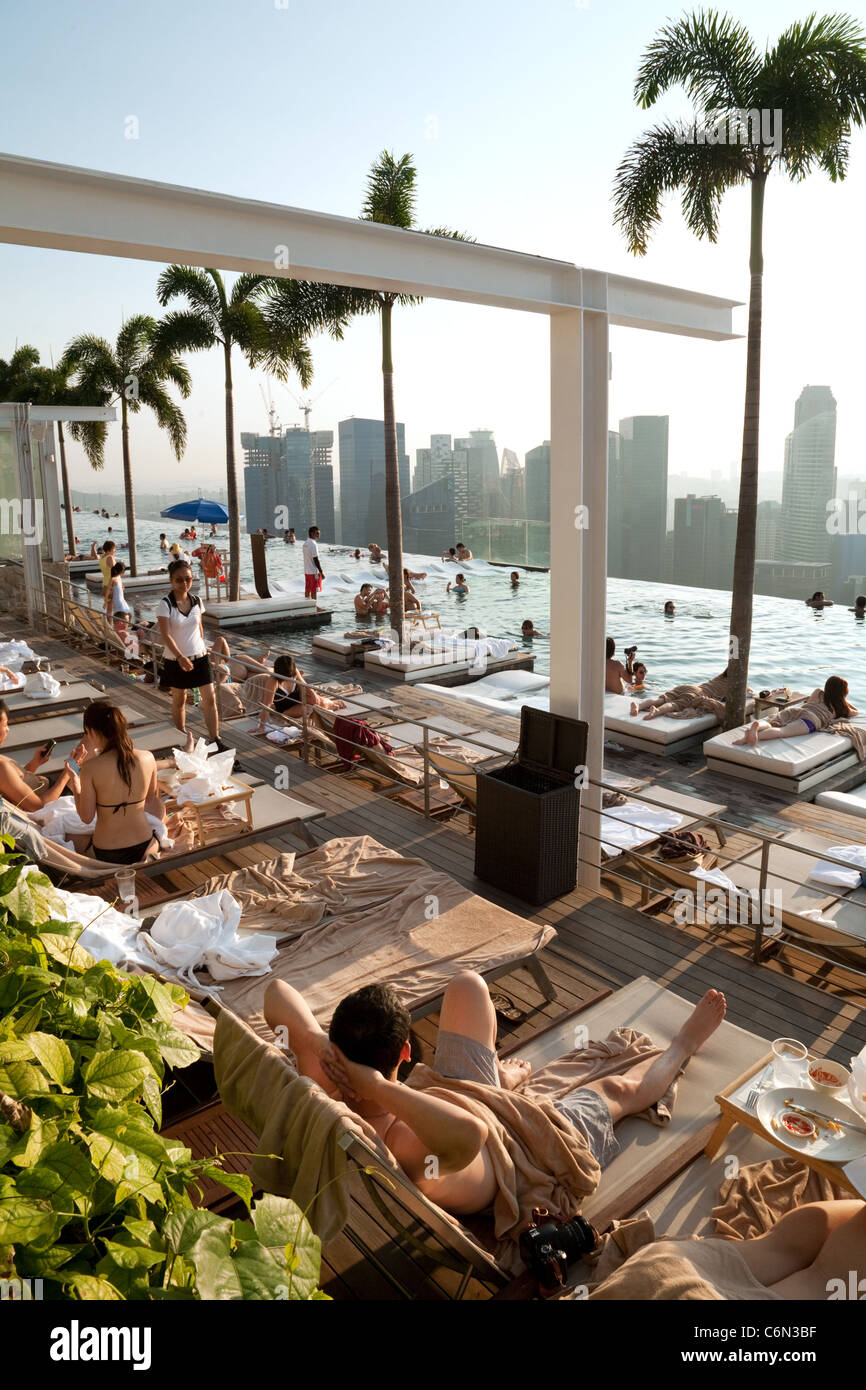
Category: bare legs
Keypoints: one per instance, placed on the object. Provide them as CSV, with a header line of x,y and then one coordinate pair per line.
x,y
761,731
467,1010
209,709
647,1082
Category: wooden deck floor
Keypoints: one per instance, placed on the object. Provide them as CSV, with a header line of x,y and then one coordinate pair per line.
x,y
602,939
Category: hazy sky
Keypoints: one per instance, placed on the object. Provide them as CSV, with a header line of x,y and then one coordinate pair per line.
x,y
517,116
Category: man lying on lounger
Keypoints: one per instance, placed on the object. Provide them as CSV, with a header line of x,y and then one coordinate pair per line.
x,y
369,1037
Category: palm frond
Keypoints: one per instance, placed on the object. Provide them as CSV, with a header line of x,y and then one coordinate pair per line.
x,y
390,196
134,340
185,330
198,286
245,325
169,415
667,159
92,436
711,56
248,286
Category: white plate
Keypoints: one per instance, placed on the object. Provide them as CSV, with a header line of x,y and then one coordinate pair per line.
x,y
856,1097
829,1146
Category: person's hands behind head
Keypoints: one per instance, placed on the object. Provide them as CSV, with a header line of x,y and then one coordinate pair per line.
x,y
356,1081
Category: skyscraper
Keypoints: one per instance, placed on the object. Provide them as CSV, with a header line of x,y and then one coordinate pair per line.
x,y
362,479
643,448
704,537
537,463
809,479
615,506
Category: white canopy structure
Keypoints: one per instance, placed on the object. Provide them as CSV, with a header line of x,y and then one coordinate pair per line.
x,y
71,209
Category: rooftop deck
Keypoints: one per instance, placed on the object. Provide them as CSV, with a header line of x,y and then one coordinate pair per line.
x,y
603,940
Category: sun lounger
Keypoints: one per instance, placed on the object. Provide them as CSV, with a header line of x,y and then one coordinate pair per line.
x,y
72,696
649,1156
852,802
663,736
459,776
793,765
33,733
631,826
658,877
444,664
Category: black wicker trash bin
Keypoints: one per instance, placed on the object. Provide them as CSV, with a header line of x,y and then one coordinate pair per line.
x,y
526,819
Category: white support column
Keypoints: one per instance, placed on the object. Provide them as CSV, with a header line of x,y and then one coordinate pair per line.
x,y
578,540
31,554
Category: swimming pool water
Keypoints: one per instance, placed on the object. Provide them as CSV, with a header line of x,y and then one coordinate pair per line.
x,y
791,644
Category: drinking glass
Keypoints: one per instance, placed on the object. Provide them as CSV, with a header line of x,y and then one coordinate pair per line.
x,y
125,880
789,1061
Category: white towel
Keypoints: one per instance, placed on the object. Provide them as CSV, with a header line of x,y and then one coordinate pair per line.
x,y
834,874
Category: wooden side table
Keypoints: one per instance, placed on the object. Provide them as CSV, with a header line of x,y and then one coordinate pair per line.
x,y
733,1112
237,791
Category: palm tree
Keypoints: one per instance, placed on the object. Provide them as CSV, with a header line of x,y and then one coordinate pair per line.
x,y
811,87
135,372
216,318
390,198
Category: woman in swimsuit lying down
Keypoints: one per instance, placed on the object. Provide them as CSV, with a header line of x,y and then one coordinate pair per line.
x,y
809,1254
117,784
822,709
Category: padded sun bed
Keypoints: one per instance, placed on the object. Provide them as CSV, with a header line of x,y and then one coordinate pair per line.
x,y
648,1153
150,737
74,695
378,927
852,802
789,764
663,735
33,733
426,664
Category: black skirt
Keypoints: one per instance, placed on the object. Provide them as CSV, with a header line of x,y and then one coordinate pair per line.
x,y
173,678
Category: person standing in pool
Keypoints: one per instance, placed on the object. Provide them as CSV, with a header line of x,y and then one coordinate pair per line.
x,y
670,608
515,579
528,630
460,587
859,609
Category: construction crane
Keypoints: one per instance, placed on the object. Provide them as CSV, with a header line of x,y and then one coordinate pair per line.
x,y
273,422
307,405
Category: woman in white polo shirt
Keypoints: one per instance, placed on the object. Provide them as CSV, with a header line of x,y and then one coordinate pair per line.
x,y
187,663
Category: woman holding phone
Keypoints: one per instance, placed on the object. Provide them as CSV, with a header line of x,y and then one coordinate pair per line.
x,y
117,785
187,665
13,784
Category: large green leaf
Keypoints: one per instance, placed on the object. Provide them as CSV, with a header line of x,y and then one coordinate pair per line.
x,y
90,1287
64,1175
281,1226
149,998
152,1096
235,1182
22,1080
130,1255
129,1129
116,1075
64,949
32,899
54,1056
26,1221
175,1047
182,1229
39,1136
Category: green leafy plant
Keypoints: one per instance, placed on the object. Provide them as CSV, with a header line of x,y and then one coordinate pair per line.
x,y
93,1200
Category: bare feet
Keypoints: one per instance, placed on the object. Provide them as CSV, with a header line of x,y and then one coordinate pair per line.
x,y
705,1019
633,708
513,1072
190,742
652,714
750,737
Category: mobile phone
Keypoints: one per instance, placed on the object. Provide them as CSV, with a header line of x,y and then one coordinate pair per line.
x,y
49,747
73,766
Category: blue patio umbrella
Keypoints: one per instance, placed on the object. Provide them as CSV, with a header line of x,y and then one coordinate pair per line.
x,y
199,509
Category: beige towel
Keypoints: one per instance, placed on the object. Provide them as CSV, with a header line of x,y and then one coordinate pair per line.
x,y
751,1203
299,1127
677,1270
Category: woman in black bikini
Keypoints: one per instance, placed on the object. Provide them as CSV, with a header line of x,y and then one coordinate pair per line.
x,y
117,784
286,691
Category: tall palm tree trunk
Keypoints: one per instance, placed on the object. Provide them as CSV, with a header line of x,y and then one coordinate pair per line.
x,y
127,489
67,499
393,520
232,487
747,518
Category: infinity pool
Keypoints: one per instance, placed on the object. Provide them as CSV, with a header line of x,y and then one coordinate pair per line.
x,y
791,644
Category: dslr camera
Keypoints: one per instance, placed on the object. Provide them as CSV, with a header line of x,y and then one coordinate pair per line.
x,y
548,1246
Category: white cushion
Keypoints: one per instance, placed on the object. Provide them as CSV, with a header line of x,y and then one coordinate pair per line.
x,y
519,682
786,757
333,644
617,720
853,802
